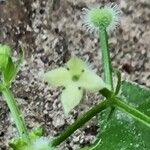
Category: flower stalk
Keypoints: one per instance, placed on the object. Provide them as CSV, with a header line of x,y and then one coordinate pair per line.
x,y
106,57
16,113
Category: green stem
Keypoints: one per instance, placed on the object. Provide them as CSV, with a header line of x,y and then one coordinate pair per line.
x,y
111,100
16,114
132,112
106,57
79,122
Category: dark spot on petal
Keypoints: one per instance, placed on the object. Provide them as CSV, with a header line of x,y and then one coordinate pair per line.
x,y
63,88
75,78
79,88
67,68
83,70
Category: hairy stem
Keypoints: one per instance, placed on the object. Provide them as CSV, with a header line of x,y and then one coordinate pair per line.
x,y
81,121
106,57
16,114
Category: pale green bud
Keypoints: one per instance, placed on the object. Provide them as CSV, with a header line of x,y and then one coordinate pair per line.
x,y
42,143
5,53
101,17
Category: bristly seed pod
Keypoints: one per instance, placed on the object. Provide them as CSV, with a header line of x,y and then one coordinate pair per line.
x,y
107,17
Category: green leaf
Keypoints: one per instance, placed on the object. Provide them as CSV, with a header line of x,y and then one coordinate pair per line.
x,y
18,144
145,108
122,132
134,93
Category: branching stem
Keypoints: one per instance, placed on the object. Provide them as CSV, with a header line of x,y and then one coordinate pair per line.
x,y
111,100
132,112
81,121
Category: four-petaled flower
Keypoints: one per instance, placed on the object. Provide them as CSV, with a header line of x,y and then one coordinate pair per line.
x,y
75,77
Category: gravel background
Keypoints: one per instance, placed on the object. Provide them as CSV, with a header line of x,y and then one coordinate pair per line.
x,y
50,31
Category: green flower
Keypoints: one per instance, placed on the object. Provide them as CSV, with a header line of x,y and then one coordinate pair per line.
x,y
107,17
75,77
36,141
5,53
42,143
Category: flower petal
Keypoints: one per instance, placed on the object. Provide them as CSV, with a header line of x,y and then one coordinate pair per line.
x,y
75,65
71,97
91,81
58,77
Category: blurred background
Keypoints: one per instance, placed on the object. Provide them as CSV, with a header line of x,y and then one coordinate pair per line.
x,y
50,31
